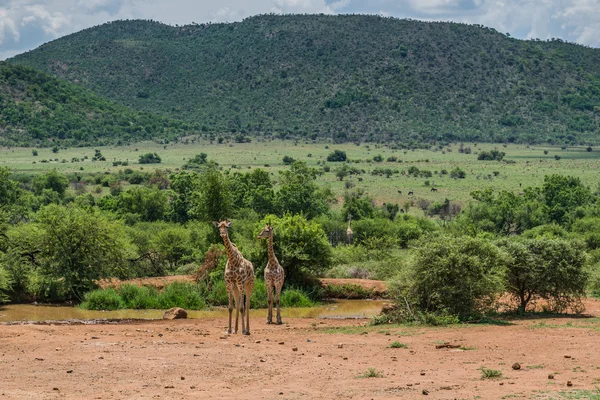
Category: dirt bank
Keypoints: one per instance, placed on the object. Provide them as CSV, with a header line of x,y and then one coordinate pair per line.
x,y
302,359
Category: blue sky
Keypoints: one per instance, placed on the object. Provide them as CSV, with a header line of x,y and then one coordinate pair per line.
x,y
26,24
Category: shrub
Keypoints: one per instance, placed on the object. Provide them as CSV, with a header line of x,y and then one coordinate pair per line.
x,y
106,299
347,291
336,156
138,297
182,294
459,276
150,158
372,373
491,155
287,160
398,345
295,298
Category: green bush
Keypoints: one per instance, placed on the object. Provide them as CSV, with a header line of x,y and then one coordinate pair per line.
x,y
138,297
182,294
460,276
295,298
102,299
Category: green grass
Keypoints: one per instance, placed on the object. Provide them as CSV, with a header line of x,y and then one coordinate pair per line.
x,y
185,295
398,345
528,170
581,394
372,373
535,367
488,373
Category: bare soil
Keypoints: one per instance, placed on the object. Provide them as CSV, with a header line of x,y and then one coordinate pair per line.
x,y
303,359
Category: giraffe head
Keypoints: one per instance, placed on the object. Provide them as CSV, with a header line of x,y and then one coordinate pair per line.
x,y
266,233
223,226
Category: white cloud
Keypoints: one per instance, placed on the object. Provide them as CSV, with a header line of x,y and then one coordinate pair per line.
x,y
25,24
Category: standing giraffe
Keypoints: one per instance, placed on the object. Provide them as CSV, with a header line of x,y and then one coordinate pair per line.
x,y
349,231
274,275
239,279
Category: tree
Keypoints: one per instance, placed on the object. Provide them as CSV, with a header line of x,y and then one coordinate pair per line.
x,y
183,185
337,156
287,160
77,247
300,245
462,276
546,268
357,204
458,173
213,200
5,285
299,193
562,194
52,180
150,158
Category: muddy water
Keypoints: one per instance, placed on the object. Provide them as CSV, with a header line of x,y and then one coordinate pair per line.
x,y
337,309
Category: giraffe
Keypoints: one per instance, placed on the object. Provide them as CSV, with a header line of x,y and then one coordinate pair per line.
x,y
239,279
274,275
349,231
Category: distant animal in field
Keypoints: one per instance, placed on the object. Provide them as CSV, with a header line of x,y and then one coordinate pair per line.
x,y
434,189
399,191
411,193
402,211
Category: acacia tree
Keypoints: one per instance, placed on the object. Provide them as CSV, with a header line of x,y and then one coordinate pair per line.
x,y
546,268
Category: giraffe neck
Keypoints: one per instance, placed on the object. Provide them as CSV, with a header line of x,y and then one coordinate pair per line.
x,y
271,251
229,248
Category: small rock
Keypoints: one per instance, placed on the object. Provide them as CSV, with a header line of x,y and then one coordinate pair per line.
x,y
422,373
387,334
319,355
550,376
183,378
567,356
409,384
569,383
192,387
280,392
237,345
340,345
516,366
344,358
159,335
281,343
501,383
294,349
39,359
425,392
54,388
257,341
94,337
262,360
175,313
70,371
58,349
170,387
308,341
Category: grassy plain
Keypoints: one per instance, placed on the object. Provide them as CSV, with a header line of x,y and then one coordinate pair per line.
x,y
529,167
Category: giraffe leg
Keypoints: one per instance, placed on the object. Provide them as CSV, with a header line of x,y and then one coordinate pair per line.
x,y
237,309
278,288
248,295
270,303
230,298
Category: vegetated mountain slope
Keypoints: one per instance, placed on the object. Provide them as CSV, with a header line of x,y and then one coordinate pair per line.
x,y
347,77
40,109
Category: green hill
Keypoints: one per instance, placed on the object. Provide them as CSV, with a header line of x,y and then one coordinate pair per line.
x,y
349,77
39,109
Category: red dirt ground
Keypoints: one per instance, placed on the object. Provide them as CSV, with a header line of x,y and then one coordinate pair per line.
x,y
302,359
